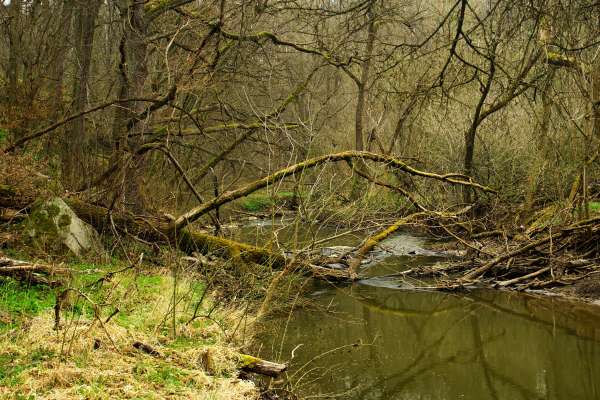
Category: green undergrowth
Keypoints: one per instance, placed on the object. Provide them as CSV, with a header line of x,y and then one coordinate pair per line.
x,y
110,307
594,206
257,202
18,302
557,214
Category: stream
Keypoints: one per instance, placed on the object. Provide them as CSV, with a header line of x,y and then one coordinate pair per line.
x,y
380,339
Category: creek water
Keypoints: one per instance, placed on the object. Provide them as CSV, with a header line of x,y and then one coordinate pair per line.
x,y
380,339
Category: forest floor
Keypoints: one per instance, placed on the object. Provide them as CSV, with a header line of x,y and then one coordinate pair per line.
x,y
188,352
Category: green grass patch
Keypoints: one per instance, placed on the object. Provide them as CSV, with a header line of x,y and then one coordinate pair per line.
x,y
261,202
594,206
256,203
161,374
17,299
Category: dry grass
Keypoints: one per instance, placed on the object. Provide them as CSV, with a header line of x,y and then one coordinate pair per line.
x,y
91,359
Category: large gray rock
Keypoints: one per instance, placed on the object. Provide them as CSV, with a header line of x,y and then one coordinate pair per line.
x,y
53,225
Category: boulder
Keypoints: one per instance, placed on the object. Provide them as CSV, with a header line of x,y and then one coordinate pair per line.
x,y
53,225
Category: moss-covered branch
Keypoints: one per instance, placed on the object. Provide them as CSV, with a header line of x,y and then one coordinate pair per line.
x,y
236,125
373,240
227,197
562,60
261,37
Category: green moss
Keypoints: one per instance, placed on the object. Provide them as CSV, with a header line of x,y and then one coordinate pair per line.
x,y
41,228
551,215
155,5
247,361
64,220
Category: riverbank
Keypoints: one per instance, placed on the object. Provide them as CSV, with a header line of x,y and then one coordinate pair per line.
x,y
120,336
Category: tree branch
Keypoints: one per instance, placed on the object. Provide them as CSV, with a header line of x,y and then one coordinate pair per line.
x,y
227,197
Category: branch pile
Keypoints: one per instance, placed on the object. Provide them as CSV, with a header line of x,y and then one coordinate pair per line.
x,y
558,257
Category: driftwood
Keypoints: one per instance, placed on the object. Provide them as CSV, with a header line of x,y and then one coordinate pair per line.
x,y
562,256
245,362
260,366
41,274
373,240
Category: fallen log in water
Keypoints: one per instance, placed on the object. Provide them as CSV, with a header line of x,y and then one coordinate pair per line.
x,y
161,230
260,366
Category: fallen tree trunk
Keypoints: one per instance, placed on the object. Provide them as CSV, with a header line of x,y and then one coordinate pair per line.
x,y
156,229
197,212
40,274
260,366
379,236
244,362
373,240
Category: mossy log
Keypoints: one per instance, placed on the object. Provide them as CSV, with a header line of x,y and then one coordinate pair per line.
x,y
161,230
373,240
347,156
259,366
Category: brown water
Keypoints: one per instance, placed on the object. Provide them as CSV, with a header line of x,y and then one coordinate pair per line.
x,y
378,340
381,343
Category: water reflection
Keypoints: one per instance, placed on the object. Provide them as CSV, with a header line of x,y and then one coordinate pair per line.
x,y
381,343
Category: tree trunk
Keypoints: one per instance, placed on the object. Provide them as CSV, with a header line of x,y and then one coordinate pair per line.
x,y
471,134
595,97
361,102
55,87
133,71
363,86
74,147
14,51
543,145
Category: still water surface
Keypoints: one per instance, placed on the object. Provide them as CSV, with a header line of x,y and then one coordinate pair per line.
x,y
398,344
377,340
